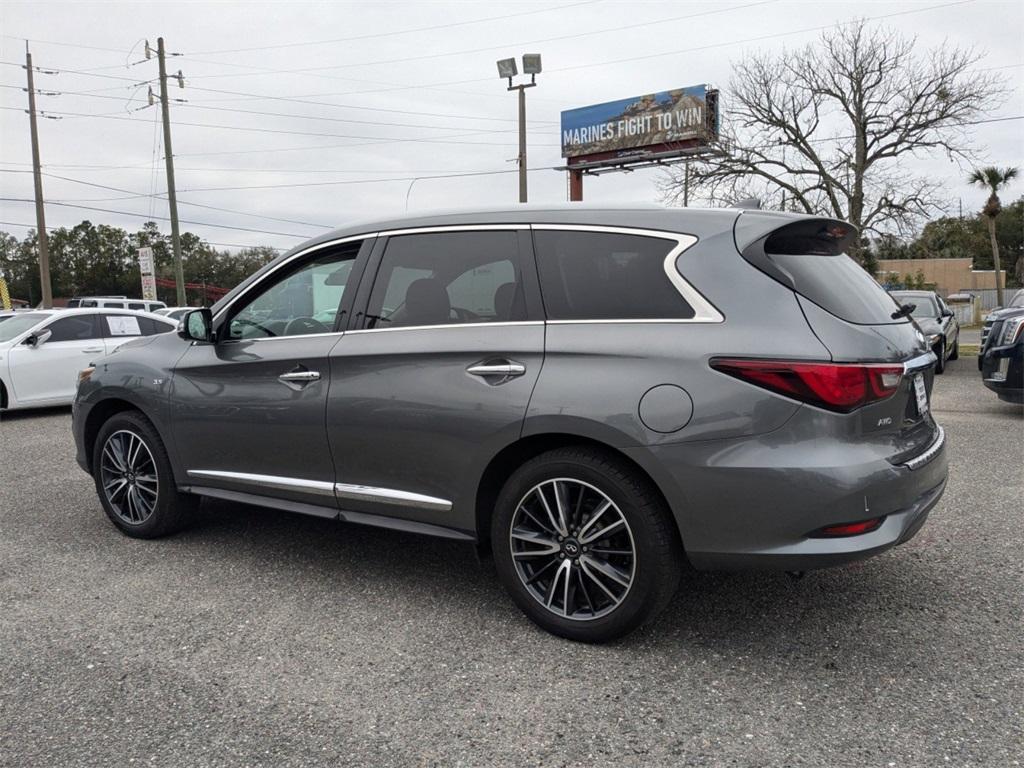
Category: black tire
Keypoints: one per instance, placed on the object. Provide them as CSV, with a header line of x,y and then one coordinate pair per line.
x,y
654,567
158,508
940,353
955,354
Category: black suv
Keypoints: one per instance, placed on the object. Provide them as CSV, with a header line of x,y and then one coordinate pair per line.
x,y
1001,358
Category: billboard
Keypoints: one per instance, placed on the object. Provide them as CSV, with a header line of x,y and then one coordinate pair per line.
x,y
683,114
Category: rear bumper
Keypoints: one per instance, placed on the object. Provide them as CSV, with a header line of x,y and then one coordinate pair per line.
x,y
752,504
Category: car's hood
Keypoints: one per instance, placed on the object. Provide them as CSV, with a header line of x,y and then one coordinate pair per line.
x,y
999,314
928,325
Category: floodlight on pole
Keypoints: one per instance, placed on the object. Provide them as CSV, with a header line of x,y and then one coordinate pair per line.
x,y
507,69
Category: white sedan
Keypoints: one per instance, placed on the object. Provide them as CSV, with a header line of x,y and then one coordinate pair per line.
x,y
42,351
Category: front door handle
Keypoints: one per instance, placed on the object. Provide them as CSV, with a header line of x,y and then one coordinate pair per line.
x,y
300,376
501,368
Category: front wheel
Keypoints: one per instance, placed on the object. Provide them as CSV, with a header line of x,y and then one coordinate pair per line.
x,y
134,479
940,353
585,545
955,354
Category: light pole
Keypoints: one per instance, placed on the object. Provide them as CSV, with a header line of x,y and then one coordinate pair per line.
x,y
507,69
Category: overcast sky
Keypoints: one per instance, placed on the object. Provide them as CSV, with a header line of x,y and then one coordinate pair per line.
x,y
392,91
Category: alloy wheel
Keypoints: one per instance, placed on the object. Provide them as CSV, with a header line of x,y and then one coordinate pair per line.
x,y
573,549
129,477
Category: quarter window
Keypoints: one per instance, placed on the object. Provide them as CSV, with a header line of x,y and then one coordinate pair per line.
x,y
448,278
304,301
76,328
606,276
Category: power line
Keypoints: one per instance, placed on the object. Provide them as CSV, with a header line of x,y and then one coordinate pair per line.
x,y
208,242
394,32
200,104
463,51
161,218
132,194
375,139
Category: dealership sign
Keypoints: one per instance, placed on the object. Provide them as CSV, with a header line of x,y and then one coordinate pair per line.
x,y
148,278
654,120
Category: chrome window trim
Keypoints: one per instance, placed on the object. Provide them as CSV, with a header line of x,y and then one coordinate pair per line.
x,y
276,482
289,260
452,228
280,338
391,496
921,459
503,324
703,310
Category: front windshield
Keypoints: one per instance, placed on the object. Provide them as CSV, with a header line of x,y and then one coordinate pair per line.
x,y
1018,300
18,324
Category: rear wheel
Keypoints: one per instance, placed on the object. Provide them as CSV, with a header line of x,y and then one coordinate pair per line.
x,y
584,545
134,479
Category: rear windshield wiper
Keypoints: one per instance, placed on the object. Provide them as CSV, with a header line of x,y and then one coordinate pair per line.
x,y
903,311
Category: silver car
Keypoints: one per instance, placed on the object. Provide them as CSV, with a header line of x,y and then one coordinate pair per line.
x,y
594,396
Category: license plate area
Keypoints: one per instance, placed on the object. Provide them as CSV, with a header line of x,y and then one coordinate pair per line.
x,y
920,394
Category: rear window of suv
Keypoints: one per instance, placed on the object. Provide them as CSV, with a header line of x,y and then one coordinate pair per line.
x,y
808,256
606,276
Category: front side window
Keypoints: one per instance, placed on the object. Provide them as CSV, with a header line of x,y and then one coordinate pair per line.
x,y
448,278
136,306
18,324
304,301
606,276
74,328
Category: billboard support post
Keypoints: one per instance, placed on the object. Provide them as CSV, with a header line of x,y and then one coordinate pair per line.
x,y
575,186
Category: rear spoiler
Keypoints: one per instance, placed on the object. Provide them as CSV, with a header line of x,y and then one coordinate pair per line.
x,y
761,234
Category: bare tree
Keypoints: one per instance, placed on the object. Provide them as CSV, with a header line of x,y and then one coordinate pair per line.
x,y
827,129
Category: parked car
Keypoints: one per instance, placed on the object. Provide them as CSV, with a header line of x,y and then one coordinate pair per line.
x,y
115,302
1016,302
174,313
42,351
1001,358
592,395
937,322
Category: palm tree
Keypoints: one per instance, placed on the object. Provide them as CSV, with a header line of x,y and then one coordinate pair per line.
x,y
993,179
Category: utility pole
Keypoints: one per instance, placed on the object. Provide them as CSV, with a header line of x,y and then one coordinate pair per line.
x,y
179,273
37,175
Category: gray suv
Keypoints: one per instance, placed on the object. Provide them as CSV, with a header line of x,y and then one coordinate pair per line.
x,y
595,396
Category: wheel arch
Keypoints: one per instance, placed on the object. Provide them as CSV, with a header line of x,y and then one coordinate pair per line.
x,y
3,394
514,455
100,413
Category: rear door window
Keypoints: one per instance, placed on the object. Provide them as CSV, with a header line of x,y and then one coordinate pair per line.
x,y
606,276
118,326
449,278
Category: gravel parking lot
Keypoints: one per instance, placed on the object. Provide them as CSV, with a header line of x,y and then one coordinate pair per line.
x,y
267,639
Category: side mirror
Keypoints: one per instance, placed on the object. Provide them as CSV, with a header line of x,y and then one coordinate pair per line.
x,y
947,313
196,325
38,339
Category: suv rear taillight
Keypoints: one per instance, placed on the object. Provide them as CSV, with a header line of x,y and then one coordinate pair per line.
x,y
841,387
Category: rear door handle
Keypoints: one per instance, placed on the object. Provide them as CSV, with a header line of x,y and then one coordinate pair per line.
x,y
92,350
503,368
